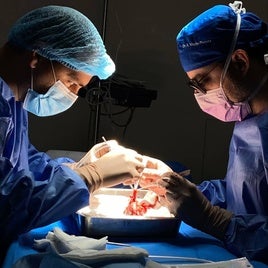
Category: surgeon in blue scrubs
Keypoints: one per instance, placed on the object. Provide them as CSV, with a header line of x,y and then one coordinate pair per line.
x,y
224,52
51,52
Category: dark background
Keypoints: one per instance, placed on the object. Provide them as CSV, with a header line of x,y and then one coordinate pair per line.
x,y
140,37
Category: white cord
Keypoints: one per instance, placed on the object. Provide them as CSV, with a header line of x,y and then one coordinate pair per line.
x,y
166,257
182,259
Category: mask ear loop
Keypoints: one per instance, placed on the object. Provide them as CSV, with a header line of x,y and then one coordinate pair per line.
x,y
53,71
237,8
32,78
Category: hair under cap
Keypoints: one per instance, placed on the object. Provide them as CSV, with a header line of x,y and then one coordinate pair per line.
x,y
208,37
65,35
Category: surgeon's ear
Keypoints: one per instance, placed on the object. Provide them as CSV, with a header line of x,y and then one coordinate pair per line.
x,y
240,61
34,60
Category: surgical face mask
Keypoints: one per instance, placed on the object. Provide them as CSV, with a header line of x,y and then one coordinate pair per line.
x,y
215,103
56,100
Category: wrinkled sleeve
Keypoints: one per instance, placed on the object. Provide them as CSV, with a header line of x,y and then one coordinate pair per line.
x,y
215,192
245,235
42,194
66,192
34,189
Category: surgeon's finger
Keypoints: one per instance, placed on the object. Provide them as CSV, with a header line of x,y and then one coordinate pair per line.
x,y
148,180
153,185
131,181
104,149
157,189
171,188
150,164
154,173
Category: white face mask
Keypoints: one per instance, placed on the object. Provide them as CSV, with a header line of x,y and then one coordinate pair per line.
x,y
57,99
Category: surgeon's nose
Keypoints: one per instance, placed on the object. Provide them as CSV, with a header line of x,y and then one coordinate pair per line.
x,y
74,88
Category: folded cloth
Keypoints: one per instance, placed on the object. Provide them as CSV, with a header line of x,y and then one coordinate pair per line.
x,y
89,251
59,242
104,257
44,260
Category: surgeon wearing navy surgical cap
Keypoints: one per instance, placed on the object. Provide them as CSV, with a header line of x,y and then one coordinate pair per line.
x,y
51,52
224,52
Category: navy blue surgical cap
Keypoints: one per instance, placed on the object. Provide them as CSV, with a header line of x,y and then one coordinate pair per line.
x,y
65,35
208,37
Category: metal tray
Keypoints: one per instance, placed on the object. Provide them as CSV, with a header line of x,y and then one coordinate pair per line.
x,y
97,224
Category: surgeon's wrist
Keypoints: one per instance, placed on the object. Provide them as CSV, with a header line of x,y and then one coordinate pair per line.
x,y
91,176
217,221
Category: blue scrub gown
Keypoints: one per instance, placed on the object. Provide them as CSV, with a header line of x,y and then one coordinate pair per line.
x,y
245,189
34,189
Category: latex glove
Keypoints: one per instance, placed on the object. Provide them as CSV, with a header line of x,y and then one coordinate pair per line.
x,y
151,174
186,202
97,151
94,153
112,168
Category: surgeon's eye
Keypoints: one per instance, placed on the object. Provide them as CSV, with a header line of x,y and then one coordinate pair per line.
x,y
74,88
192,83
206,83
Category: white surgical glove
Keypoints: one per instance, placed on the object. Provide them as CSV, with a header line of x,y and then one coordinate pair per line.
x,y
112,168
151,174
97,151
154,168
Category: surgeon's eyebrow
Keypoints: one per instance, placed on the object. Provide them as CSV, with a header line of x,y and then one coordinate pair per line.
x,y
82,85
73,75
204,73
198,76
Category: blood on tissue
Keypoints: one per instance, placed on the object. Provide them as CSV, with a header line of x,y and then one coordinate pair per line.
x,y
139,208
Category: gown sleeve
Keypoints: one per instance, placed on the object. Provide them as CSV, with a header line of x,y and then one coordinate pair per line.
x,y
246,234
39,196
35,190
27,203
244,190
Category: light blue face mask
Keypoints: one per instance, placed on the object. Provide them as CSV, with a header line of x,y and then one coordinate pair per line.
x,y
56,100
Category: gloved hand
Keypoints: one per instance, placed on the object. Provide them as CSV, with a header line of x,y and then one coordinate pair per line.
x,y
153,171
186,202
111,168
97,151
154,168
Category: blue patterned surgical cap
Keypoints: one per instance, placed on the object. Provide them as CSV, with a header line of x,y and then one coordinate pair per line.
x,y
208,37
65,35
